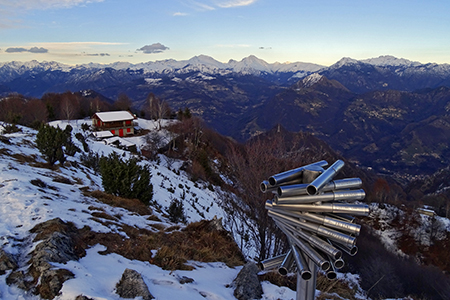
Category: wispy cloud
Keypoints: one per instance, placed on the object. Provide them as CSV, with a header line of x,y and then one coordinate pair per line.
x,y
96,54
11,11
201,6
235,3
208,5
178,14
153,48
8,5
31,50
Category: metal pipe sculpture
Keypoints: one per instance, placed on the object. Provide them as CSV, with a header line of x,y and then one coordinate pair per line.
x,y
317,215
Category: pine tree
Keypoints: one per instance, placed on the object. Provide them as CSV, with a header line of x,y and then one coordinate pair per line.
x,y
126,179
54,143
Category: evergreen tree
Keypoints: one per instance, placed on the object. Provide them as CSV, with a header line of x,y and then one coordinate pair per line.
x,y
126,178
54,143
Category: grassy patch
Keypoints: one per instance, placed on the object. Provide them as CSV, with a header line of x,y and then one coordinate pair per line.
x,y
196,242
133,205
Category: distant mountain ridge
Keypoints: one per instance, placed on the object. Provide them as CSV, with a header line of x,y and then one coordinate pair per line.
x,y
381,112
359,76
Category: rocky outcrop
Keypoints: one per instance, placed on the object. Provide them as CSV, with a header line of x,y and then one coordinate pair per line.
x,y
246,284
7,262
132,285
57,246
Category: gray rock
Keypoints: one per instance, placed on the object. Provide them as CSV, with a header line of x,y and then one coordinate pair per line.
x,y
132,285
247,285
83,297
57,248
7,262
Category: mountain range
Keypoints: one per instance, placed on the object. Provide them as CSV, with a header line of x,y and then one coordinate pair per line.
x,y
384,113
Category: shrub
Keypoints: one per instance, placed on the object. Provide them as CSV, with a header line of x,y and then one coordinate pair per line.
x,y
82,139
91,160
54,143
176,211
126,178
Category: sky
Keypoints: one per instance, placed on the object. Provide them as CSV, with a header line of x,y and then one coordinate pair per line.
x,y
316,31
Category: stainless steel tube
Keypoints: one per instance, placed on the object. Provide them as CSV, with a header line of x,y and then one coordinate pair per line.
x,y
271,263
287,263
306,289
307,249
313,240
317,229
324,178
347,249
300,189
342,217
265,187
353,209
347,195
302,267
322,220
293,174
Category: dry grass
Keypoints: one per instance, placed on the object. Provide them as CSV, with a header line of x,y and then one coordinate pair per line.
x,y
195,242
133,205
277,279
336,287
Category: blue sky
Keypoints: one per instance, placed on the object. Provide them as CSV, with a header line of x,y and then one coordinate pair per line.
x,y
317,31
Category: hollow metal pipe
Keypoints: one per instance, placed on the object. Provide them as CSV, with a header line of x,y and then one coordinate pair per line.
x,y
324,178
345,208
317,229
322,220
313,240
307,249
300,189
293,174
302,266
347,195
347,249
271,263
265,187
342,217
287,263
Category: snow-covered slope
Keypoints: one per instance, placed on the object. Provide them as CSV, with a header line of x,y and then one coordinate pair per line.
x,y
31,194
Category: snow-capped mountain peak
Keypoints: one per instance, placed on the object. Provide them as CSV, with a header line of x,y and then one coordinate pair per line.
x,y
310,80
344,61
389,60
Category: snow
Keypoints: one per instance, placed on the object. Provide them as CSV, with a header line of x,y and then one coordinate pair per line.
x,y
312,79
24,205
389,60
112,116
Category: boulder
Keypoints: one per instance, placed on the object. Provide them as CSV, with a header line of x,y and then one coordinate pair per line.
x,y
132,285
247,285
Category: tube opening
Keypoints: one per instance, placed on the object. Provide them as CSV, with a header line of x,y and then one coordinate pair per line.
x,y
272,181
263,187
331,275
306,275
339,264
279,191
325,265
311,190
338,254
283,271
353,250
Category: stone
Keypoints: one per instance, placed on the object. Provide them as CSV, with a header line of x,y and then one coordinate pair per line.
x,y
247,285
6,262
132,285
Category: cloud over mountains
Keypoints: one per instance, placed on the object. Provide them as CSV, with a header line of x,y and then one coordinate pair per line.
x,y
31,50
153,48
